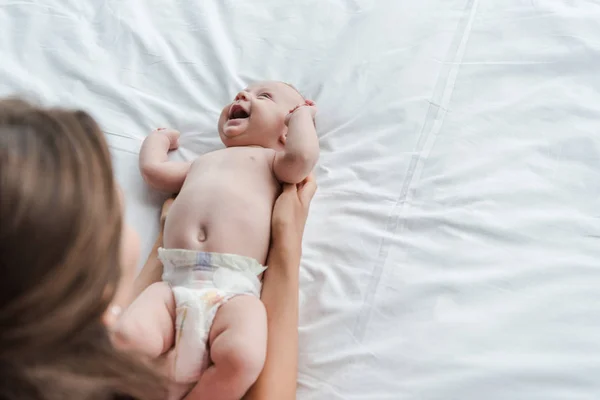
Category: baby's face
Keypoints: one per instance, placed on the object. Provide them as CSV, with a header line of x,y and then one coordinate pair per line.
x,y
257,115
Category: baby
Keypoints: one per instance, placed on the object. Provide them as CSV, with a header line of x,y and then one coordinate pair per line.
x,y
216,238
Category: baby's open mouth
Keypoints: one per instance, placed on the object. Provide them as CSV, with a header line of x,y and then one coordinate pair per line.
x,y
238,112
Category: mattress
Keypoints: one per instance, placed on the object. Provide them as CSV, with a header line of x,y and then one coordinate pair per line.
x,y
452,249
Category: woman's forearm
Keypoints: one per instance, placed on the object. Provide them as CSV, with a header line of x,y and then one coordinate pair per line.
x,y
280,293
153,269
151,272
280,297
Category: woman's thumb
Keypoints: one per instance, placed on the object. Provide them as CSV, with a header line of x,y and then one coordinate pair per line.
x,y
289,188
308,191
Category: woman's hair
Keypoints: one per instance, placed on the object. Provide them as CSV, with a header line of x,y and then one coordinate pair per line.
x,y
60,230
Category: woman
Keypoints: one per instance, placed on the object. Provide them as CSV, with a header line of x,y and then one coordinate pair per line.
x,y
68,265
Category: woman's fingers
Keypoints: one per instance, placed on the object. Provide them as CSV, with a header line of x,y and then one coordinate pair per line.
x,y
308,189
310,177
305,189
164,211
289,188
308,192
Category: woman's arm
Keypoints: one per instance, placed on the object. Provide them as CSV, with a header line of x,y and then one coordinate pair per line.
x,y
153,269
280,294
151,272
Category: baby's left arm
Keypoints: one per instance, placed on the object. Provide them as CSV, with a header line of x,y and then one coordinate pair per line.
x,y
297,160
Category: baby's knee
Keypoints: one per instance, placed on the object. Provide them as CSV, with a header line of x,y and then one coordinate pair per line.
x,y
244,359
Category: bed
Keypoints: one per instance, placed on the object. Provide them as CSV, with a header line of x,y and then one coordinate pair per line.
x,y
452,251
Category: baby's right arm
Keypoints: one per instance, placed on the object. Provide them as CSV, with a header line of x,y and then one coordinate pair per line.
x,y
157,170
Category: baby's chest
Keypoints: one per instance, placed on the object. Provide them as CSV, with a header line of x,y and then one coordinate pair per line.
x,y
244,163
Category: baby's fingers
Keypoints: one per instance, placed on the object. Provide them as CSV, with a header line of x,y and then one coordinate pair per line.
x,y
171,134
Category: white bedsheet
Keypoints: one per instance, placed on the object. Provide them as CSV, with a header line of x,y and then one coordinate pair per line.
x,y
452,250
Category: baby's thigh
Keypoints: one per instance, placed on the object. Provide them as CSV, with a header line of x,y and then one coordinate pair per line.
x,y
147,324
239,332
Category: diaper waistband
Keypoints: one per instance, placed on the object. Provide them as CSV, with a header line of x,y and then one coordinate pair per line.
x,y
173,259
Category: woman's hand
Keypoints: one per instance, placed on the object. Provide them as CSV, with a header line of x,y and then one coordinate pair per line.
x,y
280,293
289,218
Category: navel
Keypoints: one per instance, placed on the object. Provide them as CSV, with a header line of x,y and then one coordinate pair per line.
x,y
202,234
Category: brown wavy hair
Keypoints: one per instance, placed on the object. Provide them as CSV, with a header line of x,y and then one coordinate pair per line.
x,y
60,230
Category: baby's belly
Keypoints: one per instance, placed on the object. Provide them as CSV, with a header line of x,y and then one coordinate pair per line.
x,y
220,221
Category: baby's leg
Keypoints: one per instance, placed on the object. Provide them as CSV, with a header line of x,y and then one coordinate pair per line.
x,y
147,325
238,343
157,170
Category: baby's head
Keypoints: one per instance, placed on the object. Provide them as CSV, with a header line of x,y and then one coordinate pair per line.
x,y
257,115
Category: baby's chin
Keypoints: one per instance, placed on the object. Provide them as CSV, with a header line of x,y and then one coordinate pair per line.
x,y
234,128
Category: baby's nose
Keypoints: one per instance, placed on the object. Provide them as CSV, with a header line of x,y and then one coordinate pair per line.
x,y
243,95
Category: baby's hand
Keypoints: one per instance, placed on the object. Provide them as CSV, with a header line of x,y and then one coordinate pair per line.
x,y
308,105
171,134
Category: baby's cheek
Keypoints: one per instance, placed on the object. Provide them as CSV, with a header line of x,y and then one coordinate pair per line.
x,y
224,114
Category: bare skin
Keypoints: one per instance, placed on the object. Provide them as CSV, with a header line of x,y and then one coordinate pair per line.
x,y
214,217
277,380
266,144
153,269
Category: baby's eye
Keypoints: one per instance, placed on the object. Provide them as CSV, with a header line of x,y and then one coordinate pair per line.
x,y
265,95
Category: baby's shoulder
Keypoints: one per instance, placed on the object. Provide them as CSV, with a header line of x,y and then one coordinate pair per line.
x,y
266,151
267,154
254,151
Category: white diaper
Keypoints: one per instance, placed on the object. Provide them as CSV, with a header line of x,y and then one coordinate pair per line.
x,y
201,283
